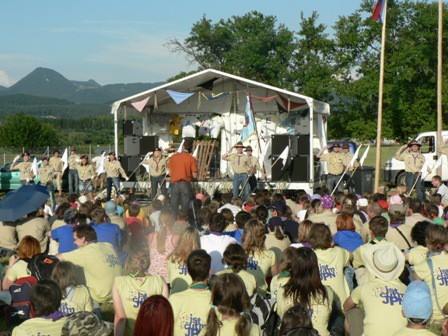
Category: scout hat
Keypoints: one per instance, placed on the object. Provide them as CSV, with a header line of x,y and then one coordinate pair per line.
x,y
84,157
345,145
249,149
417,301
384,260
239,144
414,142
336,144
157,149
73,149
86,324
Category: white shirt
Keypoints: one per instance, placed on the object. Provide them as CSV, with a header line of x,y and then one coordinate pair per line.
x,y
443,191
215,246
231,207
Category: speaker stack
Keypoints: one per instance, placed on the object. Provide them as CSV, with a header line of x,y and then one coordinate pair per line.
x,y
136,146
296,167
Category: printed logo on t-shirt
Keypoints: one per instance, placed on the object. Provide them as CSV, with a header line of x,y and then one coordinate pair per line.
x,y
443,277
193,326
252,264
112,260
65,309
391,296
139,299
326,272
183,270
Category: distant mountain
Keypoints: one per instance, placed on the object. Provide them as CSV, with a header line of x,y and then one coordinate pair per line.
x,y
2,88
43,82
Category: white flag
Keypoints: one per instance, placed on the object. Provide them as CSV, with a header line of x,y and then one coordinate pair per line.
x,y
195,153
363,157
438,163
34,167
100,167
352,162
424,170
265,151
65,160
284,156
181,146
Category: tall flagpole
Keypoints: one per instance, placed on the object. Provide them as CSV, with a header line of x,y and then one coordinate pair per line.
x,y
439,84
380,103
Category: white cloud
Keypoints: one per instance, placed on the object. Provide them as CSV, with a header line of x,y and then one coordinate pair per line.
x,y
5,80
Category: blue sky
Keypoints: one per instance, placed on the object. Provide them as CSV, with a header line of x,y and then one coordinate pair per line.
x,y
123,41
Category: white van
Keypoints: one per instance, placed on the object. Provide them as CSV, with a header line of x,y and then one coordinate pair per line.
x,y
394,171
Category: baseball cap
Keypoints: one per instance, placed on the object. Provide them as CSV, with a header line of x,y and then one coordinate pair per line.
x,y
417,301
110,207
384,204
278,205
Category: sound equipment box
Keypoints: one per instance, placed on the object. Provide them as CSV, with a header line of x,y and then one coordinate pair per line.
x,y
299,168
131,145
130,163
148,144
302,145
279,143
132,127
278,171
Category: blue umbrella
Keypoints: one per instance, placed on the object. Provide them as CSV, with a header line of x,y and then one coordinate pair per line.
x,y
20,202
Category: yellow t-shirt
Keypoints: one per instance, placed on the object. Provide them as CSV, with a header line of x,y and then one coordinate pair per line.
x,y
440,273
133,292
320,309
418,254
249,279
228,329
178,277
39,326
381,301
413,332
101,265
18,270
277,282
78,299
190,309
263,260
331,268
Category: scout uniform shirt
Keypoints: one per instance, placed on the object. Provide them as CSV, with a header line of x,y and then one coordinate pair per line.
x,y
253,161
113,169
412,164
56,163
46,174
73,159
25,170
157,166
347,158
334,163
85,172
240,163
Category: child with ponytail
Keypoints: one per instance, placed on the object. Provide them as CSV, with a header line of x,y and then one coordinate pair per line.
x,y
229,311
132,289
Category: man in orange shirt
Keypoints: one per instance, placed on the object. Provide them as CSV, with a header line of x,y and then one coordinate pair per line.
x,y
183,170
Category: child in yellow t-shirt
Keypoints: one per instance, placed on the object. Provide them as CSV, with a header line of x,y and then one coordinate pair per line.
x,y
285,271
419,252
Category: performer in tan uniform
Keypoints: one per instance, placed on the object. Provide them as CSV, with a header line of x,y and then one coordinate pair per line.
x,y
46,173
73,178
335,166
86,173
413,163
113,171
241,166
157,172
347,157
26,174
255,166
57,165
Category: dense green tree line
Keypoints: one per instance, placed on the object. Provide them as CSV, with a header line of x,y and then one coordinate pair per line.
x,y
340,66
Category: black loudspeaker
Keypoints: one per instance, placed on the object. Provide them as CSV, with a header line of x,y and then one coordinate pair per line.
x,y
302,145
131,145
130,163
278,171
279,143
299,168
148,144
132,127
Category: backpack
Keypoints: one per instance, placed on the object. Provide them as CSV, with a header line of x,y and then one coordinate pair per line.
x,y
41,266
263,312
20,308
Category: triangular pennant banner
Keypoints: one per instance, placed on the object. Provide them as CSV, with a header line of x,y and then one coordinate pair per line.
x,y
280,107
140,104
288,103
179,97
213,96
264,99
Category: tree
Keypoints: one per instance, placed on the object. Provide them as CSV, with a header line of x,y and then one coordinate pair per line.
x,y
23,130
252,46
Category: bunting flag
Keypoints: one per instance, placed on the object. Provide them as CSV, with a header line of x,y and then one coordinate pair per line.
x,y
352,161
213,96
249,124
379,11
290,104
140,104
264,99
65,160
208,85
284,156
179,150
281,109
34,167
179,97
363,157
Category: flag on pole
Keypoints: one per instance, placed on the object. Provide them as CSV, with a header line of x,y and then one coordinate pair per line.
x,y
179,150
249,124
363,157
65,160
284,156
352,161
424,171
100,167
34,167
438,163
379,11
265,151
195,153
